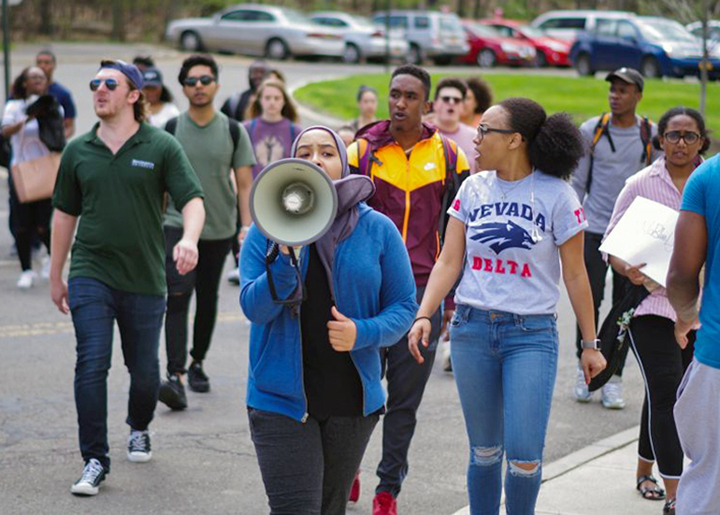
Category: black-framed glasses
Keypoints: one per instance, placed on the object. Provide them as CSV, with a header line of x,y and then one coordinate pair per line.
x,y
110,84
482,130
204,80
454,100
688,137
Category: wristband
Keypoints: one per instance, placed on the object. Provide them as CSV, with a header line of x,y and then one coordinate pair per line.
x,y
422,318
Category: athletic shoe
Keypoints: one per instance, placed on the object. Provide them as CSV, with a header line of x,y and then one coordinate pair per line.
x,y
138,449
355,490
89,483
234,276
172,393
45,273
384,504
581,392
26,280
612,394
197,380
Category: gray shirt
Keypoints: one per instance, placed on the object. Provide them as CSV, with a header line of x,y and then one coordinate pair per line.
x,y
610,170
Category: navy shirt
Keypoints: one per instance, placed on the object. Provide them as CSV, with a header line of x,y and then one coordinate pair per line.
x,y
65,98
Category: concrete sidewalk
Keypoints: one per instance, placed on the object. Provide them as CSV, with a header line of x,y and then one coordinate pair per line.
x,y
597,479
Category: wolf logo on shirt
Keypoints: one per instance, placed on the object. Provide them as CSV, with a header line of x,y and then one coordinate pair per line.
x,y
504,235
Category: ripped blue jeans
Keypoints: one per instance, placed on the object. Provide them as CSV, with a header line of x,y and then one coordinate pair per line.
x,y
505,367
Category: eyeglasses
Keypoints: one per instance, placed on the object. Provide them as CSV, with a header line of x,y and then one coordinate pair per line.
x,y
454,100
482,130
204,80
688,137
110,84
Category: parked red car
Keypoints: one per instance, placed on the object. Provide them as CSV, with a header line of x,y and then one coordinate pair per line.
x,y
489,48
550,51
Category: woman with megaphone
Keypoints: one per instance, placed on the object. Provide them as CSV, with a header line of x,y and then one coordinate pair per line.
x,y
319,315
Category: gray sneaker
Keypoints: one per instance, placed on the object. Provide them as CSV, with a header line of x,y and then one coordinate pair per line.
x,y
89,483
612,394
580,390
138,449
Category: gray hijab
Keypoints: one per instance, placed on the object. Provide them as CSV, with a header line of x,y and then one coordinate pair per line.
x,y
351,190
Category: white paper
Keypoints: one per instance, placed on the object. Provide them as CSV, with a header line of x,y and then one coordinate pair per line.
x,y
645,234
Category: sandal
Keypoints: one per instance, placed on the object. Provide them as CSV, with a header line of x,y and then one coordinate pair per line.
x,y
669,507
652,493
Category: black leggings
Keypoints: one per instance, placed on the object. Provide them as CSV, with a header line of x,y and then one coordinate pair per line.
x,y
205,280
28,221
662,363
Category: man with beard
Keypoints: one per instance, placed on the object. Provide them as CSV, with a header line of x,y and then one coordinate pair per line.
x,y
236,105
113,179
215,145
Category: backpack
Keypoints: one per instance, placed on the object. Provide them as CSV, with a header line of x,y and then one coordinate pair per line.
x,y
452,181
171,127
603,128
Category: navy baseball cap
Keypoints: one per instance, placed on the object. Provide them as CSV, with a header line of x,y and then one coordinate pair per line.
x,y
152,77
129,70
629,75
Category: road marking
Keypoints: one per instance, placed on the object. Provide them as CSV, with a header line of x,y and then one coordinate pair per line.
x,y
53,328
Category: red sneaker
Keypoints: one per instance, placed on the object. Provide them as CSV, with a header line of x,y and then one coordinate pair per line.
x,y
384,504
355,490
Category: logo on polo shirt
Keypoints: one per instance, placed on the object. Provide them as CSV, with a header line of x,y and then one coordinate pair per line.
x,y
143,164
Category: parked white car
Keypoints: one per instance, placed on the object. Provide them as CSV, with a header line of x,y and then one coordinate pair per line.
x,y
569,23
363,38
273,32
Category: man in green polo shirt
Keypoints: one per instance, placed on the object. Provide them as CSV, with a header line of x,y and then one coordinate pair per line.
x,y
215,145
111,185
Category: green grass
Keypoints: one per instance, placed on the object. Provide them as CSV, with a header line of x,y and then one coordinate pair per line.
x,y
581,97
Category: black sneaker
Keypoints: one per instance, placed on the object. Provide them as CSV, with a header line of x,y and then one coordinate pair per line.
x,y
197,379
89,483
172,393
138,449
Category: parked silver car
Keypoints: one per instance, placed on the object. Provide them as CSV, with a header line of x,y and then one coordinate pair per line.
x,y
363,38
433,34
274,32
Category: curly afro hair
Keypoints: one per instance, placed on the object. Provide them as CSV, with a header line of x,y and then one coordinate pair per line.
x,y
680,111
555,145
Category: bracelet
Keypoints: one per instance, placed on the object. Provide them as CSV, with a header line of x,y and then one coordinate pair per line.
x,y
422,318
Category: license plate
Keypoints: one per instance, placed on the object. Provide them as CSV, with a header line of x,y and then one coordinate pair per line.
x,y
708,67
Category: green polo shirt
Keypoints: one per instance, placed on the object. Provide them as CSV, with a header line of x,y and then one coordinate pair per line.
x,y
119,199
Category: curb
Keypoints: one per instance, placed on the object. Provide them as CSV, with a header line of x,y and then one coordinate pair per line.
x,y
581,457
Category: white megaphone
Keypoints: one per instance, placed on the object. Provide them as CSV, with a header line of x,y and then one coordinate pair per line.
x,y
293,202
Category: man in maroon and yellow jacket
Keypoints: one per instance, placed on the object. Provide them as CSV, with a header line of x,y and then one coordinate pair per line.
x,y
416,172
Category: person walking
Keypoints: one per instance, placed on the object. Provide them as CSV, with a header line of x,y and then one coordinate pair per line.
x,y
697,412
29,220
682,137
478,99
159,98
367,102
237,104
448,108
511,234
417,172
111,185
314,390
215,146
619,145
47,62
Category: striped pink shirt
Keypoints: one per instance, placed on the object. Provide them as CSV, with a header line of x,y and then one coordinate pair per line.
x,y
653,183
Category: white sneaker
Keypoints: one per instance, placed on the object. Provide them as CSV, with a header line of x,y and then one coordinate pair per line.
x,y
612,397
89,483
45,273
580,390
234,276
138,449
26,280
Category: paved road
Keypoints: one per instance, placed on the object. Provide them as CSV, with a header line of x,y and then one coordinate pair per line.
x,y
203,458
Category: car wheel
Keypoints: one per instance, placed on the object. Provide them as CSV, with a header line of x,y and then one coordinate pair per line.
x,y
486,58
190,41
650,68
414,55
351,54
277,49
584,66
541,60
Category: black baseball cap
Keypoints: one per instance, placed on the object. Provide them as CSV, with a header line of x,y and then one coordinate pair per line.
x,y
152,77
629,75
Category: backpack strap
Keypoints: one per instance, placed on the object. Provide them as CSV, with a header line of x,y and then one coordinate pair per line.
x,y
292,132
234,105
452,184
366,158
171,125
234,133
646,137
601,128
253,124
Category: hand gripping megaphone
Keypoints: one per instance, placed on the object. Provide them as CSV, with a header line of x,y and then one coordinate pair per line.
x,y
293,202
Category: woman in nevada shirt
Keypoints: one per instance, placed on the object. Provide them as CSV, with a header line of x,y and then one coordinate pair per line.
x,y
509,231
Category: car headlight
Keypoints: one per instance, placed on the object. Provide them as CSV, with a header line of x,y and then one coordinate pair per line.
x,y
557,47
509,48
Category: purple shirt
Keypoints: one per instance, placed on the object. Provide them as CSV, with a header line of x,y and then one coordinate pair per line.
x,y
464,136
271,141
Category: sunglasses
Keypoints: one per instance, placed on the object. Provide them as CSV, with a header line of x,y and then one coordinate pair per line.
x,y
451,100
688,137
204,80
110,84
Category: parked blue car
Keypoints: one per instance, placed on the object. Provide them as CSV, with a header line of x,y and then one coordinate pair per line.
x,y
657,47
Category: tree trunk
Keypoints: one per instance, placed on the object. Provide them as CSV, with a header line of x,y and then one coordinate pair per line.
x,y
46,27
118,20
478,9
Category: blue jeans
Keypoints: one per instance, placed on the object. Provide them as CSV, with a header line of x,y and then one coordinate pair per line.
x,y
95,307
505,366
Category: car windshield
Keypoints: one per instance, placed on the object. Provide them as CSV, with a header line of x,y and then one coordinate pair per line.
x,y
665,30
531,32
450,24
485,31
294,16
364,21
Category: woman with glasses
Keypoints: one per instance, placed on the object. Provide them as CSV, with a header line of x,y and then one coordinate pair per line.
x,y
510,230
682,137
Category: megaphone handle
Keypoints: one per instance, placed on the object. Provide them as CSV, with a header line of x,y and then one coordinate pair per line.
x,y
297,297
